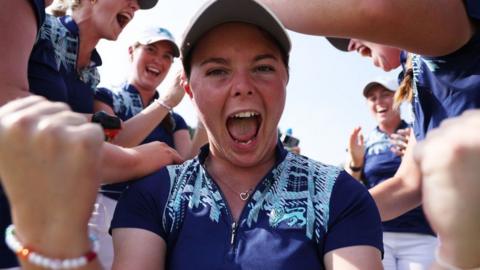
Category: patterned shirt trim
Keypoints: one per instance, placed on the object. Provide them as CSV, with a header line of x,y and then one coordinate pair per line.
x,y
65,44
295,194
127,102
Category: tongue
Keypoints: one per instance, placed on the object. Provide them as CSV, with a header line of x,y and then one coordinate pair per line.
x,y
243,129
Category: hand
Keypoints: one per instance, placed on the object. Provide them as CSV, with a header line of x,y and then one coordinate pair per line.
x,y
399,140
49,165
449,160
174,92
356,148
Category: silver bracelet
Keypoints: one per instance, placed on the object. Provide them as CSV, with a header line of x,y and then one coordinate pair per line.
x,y
161,103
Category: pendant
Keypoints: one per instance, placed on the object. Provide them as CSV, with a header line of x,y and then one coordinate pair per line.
x,y
244,195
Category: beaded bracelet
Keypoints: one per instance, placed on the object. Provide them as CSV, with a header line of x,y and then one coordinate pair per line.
x,y
37,259
161,103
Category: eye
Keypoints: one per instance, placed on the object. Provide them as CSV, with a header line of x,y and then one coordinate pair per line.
x,y
150,49
216,72
168,57
264,68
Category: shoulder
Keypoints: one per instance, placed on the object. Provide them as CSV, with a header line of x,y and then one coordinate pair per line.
x,y
179,121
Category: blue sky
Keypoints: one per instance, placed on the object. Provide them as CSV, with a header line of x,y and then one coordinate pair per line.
x,y
324,100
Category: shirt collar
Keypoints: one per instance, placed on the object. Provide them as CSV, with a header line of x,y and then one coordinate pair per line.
x,y
132,89
72,27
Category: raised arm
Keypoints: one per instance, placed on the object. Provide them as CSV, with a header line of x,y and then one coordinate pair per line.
x,y
18,37
49,156
428,27
403,191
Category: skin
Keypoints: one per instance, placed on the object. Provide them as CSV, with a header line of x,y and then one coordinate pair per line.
x,y
156,57
441,164
98,20
384,57
234,69
434,27
380,104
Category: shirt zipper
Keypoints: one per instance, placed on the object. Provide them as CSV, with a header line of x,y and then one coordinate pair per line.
x,y
234,234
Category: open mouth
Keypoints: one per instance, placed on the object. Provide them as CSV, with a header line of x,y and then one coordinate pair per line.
x,y
153,71
123,19
243,126
382,111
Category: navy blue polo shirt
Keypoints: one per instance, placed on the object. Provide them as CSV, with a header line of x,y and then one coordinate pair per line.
x,y
301,210
446,86
126,102
380,163
52,68
8,258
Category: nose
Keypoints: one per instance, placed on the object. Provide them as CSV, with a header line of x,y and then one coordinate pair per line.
x,y
242,85
133,4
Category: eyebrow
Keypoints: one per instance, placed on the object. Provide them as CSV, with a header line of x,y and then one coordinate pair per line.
x,y
219,60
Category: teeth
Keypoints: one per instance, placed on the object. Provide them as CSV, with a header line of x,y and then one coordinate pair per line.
x,y
247,142
127,15
153,70
245,114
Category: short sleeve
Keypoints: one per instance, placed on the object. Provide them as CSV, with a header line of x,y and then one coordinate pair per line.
x,y
104,95
473,8
354,217
179,122
39,9
142,205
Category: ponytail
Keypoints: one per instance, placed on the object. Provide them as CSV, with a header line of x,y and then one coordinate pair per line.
x,y
405,91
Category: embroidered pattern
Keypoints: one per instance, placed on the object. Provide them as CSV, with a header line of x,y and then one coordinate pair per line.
x,y
65,46
295,194
127,104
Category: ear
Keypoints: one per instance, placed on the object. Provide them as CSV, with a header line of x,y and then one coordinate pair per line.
x,y
130,53
186,86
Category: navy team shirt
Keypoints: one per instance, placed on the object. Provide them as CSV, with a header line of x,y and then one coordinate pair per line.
x,y
301,210
126,102
380,163
52,67
446,86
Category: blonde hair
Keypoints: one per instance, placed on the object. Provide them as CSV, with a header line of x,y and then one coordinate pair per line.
x,y
405,91
59,8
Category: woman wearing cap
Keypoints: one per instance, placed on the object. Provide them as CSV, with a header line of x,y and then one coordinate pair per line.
x,y
441,78
146,117
245,202
409,242
63,67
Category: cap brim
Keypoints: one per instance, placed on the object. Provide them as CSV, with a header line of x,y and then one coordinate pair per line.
x,y
176,50
222,11
147,4
370,85
339,43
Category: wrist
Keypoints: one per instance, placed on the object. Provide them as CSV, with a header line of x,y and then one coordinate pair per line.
x,y
164,104
354,168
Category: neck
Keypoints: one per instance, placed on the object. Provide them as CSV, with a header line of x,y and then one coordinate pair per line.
x,y
238,178
87,40
145,94
391,126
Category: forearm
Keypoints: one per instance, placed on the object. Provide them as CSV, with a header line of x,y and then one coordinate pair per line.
x,y
199,139
137,128
432,27
394,197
